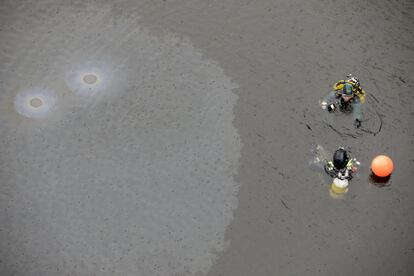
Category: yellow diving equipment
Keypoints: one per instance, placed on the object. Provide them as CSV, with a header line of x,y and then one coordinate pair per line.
x,y
356,89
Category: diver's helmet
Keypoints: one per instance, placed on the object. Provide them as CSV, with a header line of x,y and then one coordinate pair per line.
x,y
340,158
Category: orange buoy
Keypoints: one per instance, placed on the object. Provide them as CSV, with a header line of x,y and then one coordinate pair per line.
x,y
382,166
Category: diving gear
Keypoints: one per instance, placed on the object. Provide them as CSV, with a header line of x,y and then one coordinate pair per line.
x,y
341,166
331,108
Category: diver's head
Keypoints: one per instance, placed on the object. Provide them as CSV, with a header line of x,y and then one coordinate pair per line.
x,y
340,158
347,89
347,92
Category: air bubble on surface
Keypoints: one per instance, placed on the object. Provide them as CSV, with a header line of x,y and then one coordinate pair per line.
x,y
34,103
88,80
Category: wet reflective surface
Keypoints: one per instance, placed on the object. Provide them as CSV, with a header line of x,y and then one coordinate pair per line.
x,y
173,137
118,150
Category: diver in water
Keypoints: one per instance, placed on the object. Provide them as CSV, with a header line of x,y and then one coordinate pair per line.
x,y
341,166
341,169
348,97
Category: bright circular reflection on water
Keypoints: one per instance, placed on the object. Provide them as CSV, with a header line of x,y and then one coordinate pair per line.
x,y
34,103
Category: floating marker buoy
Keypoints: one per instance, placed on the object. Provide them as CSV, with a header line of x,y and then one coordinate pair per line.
x,y
382,166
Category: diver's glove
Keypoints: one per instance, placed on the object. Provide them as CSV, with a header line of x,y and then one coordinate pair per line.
x,y
357,123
